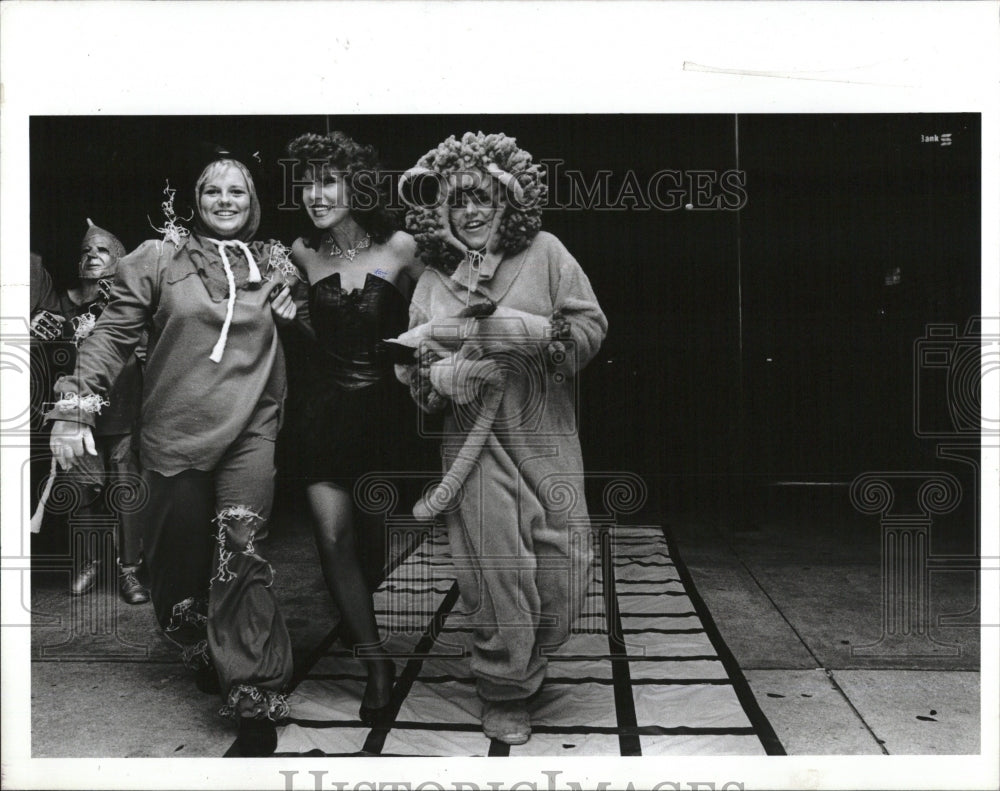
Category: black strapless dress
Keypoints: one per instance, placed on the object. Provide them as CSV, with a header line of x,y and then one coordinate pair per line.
x,y
352,417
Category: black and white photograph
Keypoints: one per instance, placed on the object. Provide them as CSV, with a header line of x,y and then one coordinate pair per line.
x,y
368,407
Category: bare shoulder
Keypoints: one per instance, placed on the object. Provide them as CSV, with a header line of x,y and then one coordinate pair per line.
x,y
402,244
404,248
306,260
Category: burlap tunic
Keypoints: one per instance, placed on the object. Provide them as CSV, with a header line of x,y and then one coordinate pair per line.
x,y
207,449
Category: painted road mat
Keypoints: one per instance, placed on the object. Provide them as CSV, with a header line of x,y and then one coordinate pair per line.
x,y
644,673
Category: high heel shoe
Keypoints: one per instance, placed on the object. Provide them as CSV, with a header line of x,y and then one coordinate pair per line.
x,y
206,678
375,716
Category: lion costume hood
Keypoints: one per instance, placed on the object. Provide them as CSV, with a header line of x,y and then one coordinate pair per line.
x,y
496,154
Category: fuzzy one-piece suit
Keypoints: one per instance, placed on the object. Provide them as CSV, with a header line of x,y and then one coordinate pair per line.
x,y
513,496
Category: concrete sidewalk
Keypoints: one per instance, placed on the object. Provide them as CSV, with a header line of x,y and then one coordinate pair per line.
x,y
790,599
798,600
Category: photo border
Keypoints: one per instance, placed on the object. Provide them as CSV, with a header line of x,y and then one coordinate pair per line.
x,y
110,58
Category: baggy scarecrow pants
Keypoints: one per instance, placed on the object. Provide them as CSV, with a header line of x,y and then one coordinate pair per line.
x,y
211,590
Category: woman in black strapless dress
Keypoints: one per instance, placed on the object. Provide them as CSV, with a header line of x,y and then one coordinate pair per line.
x,y
353,417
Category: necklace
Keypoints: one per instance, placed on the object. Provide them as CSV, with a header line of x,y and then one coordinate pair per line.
x,y
351,251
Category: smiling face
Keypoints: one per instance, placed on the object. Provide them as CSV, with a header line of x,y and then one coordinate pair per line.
x,y
224,201
326,197
473,207
96,258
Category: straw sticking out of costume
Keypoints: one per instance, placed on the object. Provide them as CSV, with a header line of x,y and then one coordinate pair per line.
x,y
91,404
187,612
279,260
239,513
224,574
258,702
196,656
172,229
83,326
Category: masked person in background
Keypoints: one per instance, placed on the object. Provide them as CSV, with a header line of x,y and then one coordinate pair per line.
x,y
211,408
110,478
524,319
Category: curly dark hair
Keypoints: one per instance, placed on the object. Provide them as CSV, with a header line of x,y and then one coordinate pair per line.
x,y
362,170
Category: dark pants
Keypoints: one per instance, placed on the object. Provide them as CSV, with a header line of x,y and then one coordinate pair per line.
x,y
210,588
110,483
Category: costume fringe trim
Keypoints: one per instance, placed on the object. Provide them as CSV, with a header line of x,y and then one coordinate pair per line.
x,y
196,656
184,613
224,573
92,404
266,703
172,229
83,325
279,260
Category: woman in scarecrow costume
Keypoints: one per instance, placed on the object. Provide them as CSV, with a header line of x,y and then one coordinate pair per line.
x,y
503,319
212,402
113,473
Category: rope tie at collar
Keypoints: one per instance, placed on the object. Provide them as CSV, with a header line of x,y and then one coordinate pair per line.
x,y
475,259
220,345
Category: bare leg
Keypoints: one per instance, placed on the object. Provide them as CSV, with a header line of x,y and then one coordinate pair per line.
x,y
333,520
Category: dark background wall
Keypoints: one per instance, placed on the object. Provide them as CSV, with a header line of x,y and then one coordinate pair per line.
x,y
764,342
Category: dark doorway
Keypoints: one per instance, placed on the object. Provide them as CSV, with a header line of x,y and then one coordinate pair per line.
x,y
761,328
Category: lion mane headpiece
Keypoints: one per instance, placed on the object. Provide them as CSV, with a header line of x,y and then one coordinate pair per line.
x,y
496,154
